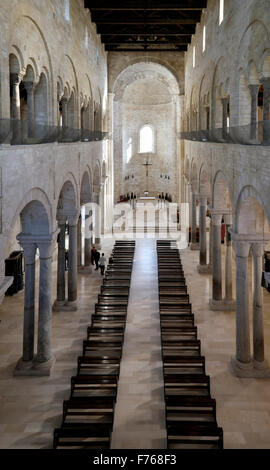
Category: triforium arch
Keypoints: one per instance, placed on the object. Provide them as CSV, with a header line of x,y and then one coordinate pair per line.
x,y
250,236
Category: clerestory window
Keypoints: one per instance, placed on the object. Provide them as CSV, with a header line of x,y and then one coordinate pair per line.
x,y
146,139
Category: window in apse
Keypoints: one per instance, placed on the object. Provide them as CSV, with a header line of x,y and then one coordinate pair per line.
x,y
146,139
129,150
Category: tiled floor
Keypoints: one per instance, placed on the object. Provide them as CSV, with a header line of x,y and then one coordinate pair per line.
x,y
31,407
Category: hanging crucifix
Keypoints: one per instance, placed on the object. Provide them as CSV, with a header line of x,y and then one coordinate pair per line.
x,y
146,165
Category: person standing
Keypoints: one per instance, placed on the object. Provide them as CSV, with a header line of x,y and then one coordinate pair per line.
x,y
97,256
102,262
93,252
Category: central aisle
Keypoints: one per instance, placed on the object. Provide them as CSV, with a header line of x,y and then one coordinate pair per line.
x,y
139,421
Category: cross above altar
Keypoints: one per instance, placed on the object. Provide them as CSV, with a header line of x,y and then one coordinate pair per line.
x,y
147,165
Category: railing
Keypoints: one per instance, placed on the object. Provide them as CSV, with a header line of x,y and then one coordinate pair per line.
x,y
253,134
21,132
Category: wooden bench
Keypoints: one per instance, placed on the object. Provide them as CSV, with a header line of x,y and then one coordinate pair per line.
x,y
93,437
85,386
194,436
187,384
86,366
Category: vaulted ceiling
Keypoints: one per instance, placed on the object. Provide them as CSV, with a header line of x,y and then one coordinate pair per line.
x,y
146,25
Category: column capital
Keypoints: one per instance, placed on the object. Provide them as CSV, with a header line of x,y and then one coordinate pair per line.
x,y
216,216
16,78
254,88
73,217
228,219
202,200
45,244
29,247
258,249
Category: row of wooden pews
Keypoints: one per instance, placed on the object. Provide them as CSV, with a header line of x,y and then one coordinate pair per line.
x,y
89,413
190,410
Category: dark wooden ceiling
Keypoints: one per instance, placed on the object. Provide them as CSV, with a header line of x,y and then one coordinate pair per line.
x,y
146,25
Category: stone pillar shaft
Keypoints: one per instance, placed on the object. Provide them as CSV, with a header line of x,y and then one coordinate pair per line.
x,y
79,242
64,102
216,253
87,241
61,290
203,204
254,90
266,108
193,219
29,303
72,264
45,310
242,303
228,266
258,334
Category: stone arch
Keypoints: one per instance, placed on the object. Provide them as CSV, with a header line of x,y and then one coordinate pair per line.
x,y
16,62
38,195
144,69
187,169
34,219
67,197
244,107
204,182
41,100
264,66
86,192
72,190
194,176
221,197
97,178
218,79
138,59
251,214
104,171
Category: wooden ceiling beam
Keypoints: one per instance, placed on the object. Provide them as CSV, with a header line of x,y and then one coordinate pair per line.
x,y
146,21
142,5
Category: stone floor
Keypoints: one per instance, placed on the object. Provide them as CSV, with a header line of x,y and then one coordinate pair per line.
x,y
31,407
140,414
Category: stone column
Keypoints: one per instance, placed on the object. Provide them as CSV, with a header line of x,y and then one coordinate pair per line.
x,y
258,335
194,245
202,267
97,226
64,102
228,264
88,239
44,359
224,116
61,282
210,265
29,248
266,108
15,106
72,263
254,90
79,242
242,361
29,86
217,265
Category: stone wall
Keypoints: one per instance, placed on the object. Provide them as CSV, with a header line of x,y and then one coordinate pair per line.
x,y
38,36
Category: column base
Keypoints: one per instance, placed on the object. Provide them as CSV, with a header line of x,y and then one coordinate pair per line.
x,y
97,243
222,305
70,306
252,369
58,305
204,269
85,269
33,368
194,246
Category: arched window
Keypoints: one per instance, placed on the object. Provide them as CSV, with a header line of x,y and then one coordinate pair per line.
x,y
146,139
67,16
